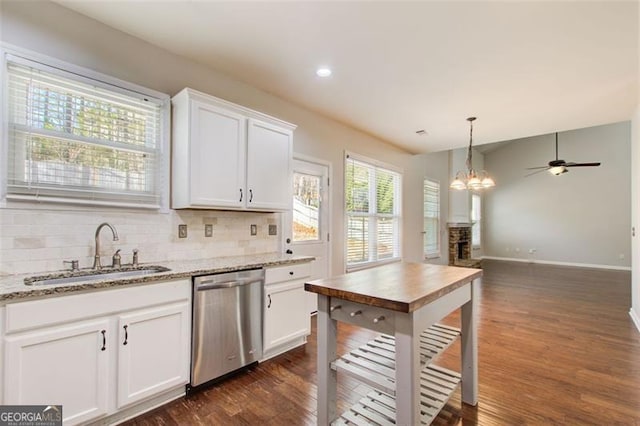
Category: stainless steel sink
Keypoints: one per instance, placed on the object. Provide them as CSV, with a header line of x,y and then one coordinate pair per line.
x,y
92,275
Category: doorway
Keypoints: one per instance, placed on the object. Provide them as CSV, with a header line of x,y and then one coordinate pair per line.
x,y
308,223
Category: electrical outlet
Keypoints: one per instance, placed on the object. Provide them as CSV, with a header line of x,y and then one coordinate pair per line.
x,y
254,229
208,230
273,229
182,231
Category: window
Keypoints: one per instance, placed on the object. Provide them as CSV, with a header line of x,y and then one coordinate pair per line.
x,y
306,205
75,139
372,196
476,220
431,219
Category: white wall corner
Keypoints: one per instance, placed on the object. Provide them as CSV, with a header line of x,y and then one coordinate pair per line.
x,y
635,317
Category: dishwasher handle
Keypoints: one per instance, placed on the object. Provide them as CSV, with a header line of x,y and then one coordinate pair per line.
x,y
212,285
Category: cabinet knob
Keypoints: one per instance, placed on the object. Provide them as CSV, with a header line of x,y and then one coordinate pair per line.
x,y
335,308
377,320
240,195
355,313
104,340
250,195
269,297
126,334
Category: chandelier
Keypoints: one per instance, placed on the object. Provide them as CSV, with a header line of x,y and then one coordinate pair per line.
x,y
470,179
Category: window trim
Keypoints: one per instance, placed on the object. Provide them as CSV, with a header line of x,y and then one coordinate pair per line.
x,y
86,75
382,165
434,254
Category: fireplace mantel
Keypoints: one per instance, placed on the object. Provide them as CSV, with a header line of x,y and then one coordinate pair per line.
x,y
458,225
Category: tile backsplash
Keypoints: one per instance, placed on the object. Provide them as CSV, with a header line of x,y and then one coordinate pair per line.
x,y
39,240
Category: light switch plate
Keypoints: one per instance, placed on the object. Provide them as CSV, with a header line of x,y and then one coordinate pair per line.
x,y
182,231
273,229
208,230
254,229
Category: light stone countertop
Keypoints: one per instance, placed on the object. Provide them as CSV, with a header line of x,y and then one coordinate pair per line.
x,y
13,288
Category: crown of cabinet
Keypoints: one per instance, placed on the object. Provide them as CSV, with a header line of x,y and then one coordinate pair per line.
x,y
226,156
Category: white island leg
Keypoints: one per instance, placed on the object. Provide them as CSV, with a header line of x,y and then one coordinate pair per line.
x,y
407,371
469,342
327,378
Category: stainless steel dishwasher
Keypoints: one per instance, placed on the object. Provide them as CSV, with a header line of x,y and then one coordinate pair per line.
x,y
227,323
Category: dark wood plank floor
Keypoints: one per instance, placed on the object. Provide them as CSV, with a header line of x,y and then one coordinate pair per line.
x,y
556,346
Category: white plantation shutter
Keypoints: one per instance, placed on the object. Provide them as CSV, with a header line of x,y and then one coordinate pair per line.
x,y
431,219
372,196
476,220
75,139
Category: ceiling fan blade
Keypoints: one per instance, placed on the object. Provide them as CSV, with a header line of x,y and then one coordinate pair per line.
x,y
582,164
537,171
534,168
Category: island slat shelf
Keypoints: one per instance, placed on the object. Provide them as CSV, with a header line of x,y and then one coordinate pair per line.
x,y
374,362
437,384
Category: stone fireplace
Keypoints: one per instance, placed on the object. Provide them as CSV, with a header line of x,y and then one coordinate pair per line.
x,y
460,246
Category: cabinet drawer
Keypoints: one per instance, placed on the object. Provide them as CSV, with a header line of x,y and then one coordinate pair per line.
x,y
286,273
371,317
58,310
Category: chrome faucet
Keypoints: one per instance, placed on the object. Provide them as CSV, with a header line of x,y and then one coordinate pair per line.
x,y
96,258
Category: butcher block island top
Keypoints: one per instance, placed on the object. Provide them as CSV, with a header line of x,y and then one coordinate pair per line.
x,y
402,287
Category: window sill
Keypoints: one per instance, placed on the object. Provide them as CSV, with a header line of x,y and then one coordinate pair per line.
x,y
368,265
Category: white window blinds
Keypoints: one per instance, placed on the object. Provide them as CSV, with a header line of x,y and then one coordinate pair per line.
x,y
431,219
78,140
372,196
476,220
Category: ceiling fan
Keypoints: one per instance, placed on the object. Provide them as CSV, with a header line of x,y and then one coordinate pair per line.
x,y
557,167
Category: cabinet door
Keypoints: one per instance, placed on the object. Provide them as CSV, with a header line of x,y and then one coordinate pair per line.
x,y
269,158
217,157
285,313
153,351
68,365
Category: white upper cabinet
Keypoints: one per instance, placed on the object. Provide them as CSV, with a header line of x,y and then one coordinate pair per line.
x,y
225,156
268,175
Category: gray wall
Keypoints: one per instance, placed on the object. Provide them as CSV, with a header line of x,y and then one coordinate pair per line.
x,y
580,217
50,29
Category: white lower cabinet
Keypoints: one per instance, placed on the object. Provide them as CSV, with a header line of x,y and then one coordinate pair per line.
x,y
153,354
98,353
286,319
67,365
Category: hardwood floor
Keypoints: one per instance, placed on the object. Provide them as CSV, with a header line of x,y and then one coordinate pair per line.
x,y
556,346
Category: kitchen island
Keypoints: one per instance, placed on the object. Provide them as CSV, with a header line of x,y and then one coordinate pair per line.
x,y
404,302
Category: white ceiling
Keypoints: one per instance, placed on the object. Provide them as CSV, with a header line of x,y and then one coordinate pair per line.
x,y
523,68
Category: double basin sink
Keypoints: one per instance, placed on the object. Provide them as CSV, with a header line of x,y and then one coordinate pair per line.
x,y
94,275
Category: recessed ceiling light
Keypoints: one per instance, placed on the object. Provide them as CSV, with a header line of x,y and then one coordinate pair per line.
x,y
323,72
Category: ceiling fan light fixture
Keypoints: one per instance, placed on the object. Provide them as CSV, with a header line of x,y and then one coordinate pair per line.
x,y
469,179
558,170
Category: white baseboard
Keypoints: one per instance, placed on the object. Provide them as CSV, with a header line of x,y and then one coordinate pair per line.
x,y
635,317
550,262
